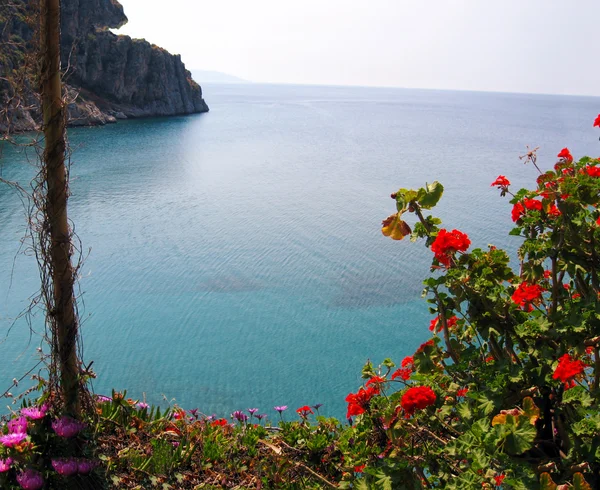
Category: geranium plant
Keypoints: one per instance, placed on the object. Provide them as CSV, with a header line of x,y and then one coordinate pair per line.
x,y
506,393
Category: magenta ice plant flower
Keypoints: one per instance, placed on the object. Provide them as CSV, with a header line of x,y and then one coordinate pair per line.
x,y
141,405
5,464
30,480
103,399
17,425
239,416
281,409
12,439
67,427
252,411
65,466
35,413
85,466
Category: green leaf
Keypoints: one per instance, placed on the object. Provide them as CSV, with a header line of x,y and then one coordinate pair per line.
x,y
520,436
431,196
464,411
577,394
480,428
487,405
387,362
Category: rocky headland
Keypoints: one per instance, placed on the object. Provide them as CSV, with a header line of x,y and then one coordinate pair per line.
x,y
107,76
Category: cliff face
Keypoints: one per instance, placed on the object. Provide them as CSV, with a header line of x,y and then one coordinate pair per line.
x,y
110,76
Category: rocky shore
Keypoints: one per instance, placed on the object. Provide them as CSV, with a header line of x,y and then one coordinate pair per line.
x,y
107,76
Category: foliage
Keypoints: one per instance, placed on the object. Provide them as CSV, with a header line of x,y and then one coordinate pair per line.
x,y
504,395
514,360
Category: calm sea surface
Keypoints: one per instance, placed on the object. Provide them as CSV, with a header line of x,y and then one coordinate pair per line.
x,y
236,257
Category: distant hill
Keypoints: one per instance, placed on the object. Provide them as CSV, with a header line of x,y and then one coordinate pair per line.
x,y
209,76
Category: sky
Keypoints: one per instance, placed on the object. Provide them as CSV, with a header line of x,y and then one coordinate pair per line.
x,y
532,46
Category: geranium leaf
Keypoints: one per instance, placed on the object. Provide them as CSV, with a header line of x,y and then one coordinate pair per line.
x,y
431,196
546,482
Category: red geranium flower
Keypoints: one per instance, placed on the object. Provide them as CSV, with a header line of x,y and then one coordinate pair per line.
x,y
376,381
499,479
565,154
462,392
404,373
501,181
554,212
597,121
359,402
424,345
526,294
517,211
532,204
359,468
592,171
304,411
417,398
568,369
408,361
219,422
436,324
447,243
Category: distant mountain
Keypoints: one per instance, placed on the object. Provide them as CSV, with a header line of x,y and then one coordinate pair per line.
x,y
209,76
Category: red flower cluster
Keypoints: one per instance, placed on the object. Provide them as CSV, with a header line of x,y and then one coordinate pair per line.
x,y
417,398
424,345
462,392
565,154
304,411
404,373
408,363
376,381
498,479
532,204
447,243
597,121
517,211
358,402
526,293
219,423
528,203
568,369
592,171
501,181
436,324
554,212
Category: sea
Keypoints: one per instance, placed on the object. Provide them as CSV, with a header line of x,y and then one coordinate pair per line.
x,y
235,259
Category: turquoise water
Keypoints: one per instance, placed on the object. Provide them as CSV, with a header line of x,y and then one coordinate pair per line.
x,y
236,257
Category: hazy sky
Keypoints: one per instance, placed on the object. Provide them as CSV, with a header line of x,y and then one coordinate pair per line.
x,y
540,46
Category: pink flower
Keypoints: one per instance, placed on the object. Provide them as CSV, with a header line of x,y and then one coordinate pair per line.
x,y
67,427
35,413
17,425
65,466
5,464
85,466
30,480
12,439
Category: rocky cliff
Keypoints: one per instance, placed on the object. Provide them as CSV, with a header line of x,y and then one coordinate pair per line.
x,y
107,76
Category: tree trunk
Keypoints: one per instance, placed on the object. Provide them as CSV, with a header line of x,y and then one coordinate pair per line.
x,y
63,315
